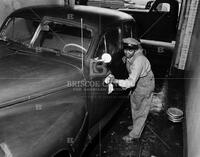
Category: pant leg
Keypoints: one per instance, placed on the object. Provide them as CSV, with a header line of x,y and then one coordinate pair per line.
x,y
140,103
140,106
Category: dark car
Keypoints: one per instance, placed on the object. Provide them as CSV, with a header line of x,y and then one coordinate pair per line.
x,y
53,62
158,21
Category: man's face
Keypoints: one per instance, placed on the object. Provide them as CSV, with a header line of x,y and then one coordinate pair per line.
x,y
129,52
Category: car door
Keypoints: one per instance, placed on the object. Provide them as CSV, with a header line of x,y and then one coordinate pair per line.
x,y
162,20
101,101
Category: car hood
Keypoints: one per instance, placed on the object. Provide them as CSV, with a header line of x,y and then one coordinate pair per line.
x,y
39,126
31,131
23,77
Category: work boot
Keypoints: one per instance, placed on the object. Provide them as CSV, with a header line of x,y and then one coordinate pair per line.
x,y
128,138
130,127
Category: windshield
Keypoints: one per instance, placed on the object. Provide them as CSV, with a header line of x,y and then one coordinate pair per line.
x,y
19,29
69,39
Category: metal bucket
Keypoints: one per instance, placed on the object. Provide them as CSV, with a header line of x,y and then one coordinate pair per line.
x,y
174,114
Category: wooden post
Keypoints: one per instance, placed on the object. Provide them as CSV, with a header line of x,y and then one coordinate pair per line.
x,y
185,33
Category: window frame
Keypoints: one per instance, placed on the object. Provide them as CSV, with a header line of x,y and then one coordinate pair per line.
x,y
95,55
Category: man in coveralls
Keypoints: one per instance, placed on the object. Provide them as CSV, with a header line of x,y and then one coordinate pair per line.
x,y
141,82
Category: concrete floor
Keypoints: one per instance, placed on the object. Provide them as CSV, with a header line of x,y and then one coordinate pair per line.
x,y
160,137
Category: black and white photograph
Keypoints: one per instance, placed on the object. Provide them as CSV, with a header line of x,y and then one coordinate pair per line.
x,y
99,78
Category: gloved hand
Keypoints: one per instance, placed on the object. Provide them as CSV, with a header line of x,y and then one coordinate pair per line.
x,y
109,79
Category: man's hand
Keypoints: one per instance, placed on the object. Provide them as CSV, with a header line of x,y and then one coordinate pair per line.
x,y
124,59
115,81
112,78
109,79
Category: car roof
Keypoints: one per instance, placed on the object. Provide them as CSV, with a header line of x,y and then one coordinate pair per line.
x,y
95,17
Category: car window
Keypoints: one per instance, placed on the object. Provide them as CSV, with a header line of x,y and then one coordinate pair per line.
x,y
109,43
70,40
20,29
129,30
163,7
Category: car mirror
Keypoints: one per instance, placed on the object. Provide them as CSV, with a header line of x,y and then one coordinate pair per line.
x,y
106,58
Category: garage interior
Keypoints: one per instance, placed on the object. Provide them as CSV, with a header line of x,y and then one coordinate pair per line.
x,y
177,85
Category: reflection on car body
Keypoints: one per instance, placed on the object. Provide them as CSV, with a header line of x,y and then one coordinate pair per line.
x,y
46,51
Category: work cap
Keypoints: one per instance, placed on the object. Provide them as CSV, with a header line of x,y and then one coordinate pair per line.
x,y
130,43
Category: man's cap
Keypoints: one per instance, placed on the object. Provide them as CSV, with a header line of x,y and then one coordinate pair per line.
x,y
131,43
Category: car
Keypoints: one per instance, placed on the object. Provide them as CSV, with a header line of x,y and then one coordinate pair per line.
x,y
53,63
158,22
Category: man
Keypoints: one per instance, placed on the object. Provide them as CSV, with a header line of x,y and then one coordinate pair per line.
x,y
141,82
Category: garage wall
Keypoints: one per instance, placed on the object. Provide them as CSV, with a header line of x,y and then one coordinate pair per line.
x,y
193,93
7,6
